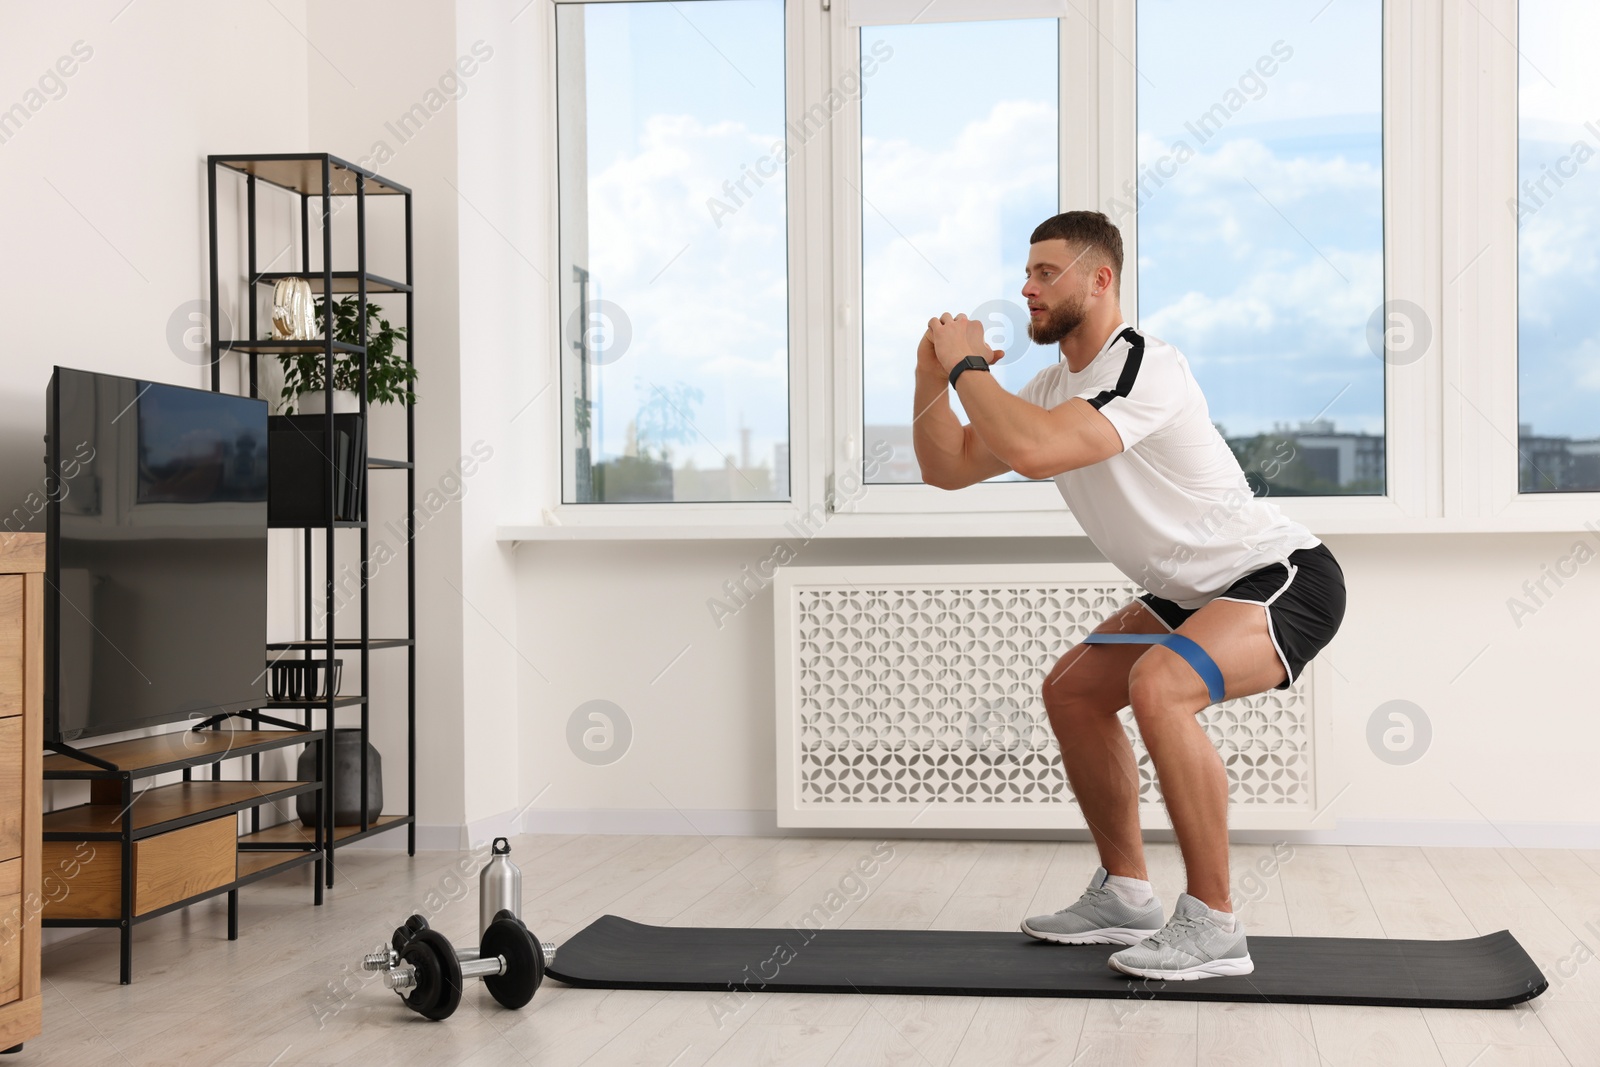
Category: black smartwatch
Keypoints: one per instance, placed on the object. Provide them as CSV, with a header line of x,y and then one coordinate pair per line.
x,y
970,363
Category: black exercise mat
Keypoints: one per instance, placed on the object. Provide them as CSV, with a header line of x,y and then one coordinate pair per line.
x,y
1492,971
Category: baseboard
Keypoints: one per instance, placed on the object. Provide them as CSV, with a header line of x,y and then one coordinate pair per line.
x,y
1443,833
718,822
430,838
1439,833
449,837
714,822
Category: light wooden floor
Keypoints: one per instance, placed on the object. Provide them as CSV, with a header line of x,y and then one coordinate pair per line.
x,y
290,991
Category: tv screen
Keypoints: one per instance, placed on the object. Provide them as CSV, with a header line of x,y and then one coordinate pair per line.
x,y
156,554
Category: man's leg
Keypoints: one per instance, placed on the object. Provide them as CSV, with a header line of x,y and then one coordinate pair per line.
x,y
1082,695
1166,695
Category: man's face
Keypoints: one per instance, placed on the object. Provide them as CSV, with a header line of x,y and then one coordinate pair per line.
x,y
1057,291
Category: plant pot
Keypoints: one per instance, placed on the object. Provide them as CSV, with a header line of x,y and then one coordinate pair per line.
x,y
346,780
314,402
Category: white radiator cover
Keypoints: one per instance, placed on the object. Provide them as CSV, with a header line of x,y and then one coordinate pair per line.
x,y
909,697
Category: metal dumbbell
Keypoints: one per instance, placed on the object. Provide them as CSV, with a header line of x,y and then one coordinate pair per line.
x,y
423,967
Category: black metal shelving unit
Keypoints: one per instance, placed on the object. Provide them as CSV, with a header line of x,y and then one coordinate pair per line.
x,y
326,179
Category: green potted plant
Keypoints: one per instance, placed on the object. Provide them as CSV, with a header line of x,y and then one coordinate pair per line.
x,y
390,377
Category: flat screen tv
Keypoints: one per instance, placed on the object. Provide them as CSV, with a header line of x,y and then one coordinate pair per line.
x,y
156,554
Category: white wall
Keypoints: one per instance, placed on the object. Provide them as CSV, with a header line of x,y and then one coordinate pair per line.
x,y
473,70
371,65
1514,725
506,181
104,227
106,257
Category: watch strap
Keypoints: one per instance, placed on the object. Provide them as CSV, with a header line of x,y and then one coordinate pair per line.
x,y
970,363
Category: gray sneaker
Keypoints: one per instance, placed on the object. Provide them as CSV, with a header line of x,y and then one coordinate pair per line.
x,y
1099,917
1190,946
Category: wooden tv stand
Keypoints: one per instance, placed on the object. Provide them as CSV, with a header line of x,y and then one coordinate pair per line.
x,y
21,795
179,843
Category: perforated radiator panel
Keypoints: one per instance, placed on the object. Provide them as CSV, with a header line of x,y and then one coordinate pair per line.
x,y
915,693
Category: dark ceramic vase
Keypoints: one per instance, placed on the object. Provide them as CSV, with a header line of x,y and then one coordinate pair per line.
x,y
346,780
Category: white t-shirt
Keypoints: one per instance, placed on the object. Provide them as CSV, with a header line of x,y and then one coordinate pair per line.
x,y
1172,510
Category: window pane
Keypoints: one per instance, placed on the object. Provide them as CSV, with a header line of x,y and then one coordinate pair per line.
x,y
1558,247
674,274
959,149
1260,213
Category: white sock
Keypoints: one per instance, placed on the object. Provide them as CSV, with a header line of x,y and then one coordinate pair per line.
x,y
1134,892
1223,919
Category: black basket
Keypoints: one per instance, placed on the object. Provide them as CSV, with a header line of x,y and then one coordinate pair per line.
x,y
301,679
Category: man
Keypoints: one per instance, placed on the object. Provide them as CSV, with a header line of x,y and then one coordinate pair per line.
x,y
1123,429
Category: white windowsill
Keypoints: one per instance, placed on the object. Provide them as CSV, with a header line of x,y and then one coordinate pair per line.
x,y
1323,515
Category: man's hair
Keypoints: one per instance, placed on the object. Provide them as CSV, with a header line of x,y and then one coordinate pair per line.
x,y
1085,229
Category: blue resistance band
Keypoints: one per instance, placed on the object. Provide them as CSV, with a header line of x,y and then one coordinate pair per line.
x,y
1203,664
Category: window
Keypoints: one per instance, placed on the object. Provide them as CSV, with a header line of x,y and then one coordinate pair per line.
x,y
1259,213
959,148
673,251
747,265
1557,207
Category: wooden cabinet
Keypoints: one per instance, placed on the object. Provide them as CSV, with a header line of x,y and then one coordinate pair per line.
x,y
21,749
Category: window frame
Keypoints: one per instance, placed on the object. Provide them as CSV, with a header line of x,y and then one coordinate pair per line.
x,y
1450,246
559,519
1506,489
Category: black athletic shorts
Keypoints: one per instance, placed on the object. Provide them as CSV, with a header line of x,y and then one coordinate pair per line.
x,y
1304,599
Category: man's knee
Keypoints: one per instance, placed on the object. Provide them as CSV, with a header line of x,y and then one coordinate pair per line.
x,y
1158,688
1070,696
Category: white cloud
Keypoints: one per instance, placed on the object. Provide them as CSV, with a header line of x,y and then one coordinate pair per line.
x,y
1269,301
708,305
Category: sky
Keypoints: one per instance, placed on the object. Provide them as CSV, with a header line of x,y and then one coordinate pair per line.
x,y
1558,238
959,164
1260,257
676,109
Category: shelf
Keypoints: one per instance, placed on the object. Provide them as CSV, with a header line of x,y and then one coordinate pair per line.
x,y
319,176
168,807
288,348
346,642
344,281
145,756
337,524
289,834
301,172
256,865
338,702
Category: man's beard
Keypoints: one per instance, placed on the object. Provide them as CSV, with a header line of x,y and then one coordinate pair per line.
x,y
1058,322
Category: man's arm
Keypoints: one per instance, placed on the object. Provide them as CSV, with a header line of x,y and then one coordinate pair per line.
x,y
1030,440
951,456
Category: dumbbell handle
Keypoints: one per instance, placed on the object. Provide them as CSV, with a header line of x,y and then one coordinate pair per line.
x,y
386,959
405,976
483,968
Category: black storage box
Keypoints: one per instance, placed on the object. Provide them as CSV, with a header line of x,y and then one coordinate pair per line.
x,y
297,469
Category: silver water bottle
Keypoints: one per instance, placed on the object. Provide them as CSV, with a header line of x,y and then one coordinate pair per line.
x,y
499,886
